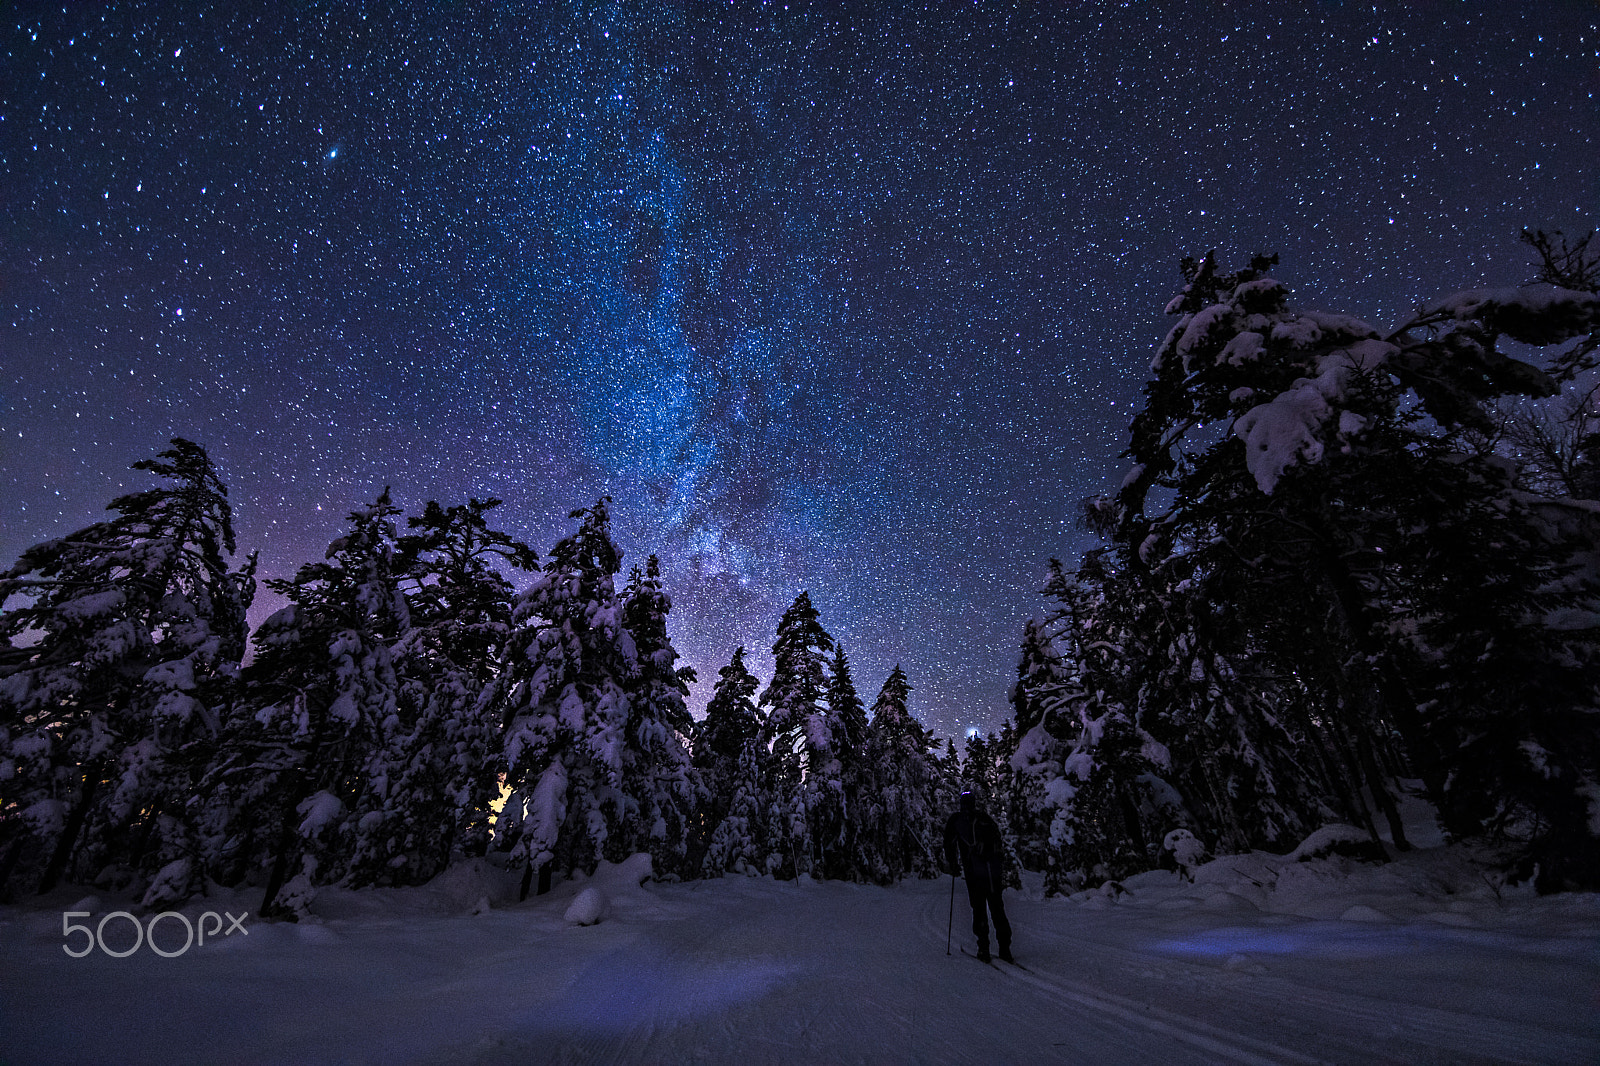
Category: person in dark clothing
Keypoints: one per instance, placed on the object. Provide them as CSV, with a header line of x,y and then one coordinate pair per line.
x,y
972,848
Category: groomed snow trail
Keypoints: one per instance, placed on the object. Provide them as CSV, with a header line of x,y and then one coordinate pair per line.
x,y
1286,990
754,971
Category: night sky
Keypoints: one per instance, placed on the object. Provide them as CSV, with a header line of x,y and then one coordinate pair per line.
x,y
847,298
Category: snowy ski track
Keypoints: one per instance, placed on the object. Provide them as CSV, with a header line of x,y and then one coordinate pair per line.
x,y
1143,1018
1326,1025
757,971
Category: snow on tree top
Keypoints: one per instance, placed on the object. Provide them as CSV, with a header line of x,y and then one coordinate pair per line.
x,y
1289,428
1200,329
1533,314
95,605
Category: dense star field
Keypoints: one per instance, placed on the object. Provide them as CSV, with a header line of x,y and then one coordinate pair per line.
x,y
847,298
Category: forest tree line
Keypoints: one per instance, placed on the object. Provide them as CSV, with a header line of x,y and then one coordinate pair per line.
x,y
409,708
1345,564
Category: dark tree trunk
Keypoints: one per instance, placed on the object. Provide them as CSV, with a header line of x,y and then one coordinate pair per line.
x,y
143,842
9,863
74,827
285,849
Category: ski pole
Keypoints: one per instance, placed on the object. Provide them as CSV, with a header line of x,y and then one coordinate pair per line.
x,y
950,926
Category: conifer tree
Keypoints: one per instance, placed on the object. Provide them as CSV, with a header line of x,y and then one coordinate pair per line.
x,y
122,643
448,755
807,792
1321,532
904,821
1032,747
848,724
728,755
845,712
949,769
1096,766
658,779
978,767
565,708
731,720
314,755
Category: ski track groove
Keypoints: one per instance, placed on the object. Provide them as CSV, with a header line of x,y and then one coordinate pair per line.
x,y
1235,1047
1428,1030
1435,1030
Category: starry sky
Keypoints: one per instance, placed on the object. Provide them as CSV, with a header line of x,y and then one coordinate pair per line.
x,y
851,298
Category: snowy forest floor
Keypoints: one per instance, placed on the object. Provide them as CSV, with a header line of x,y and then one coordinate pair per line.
x,y
1261,960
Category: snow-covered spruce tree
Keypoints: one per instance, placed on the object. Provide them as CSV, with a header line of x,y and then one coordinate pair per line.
x,y
1039,678
1337,508
590,779
1216,719
447,751
849,858
658,777
122,643
314,758
563,706
807,794
731,759
1528,763
904,820
949,770
1100,794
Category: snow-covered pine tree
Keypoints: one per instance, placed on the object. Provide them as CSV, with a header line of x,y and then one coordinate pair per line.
x,y
1094,794
315,755
1033,747
905,822
731,722
122,643
845,710
949,768
564,703
1223,538
731,760
658,777
805,770
1334,507
847,858
448,750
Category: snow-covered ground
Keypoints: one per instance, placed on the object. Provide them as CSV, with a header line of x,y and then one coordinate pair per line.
x,y
1261,960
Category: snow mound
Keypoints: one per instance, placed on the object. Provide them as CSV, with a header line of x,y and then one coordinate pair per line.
x,y
473,886
1335,839
587,908
1257,868
173,884
631,872
1230,903
1462,921
1186,850
92,904
464,884
614,887
297,895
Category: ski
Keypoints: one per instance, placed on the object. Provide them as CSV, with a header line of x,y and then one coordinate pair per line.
x,y
994,962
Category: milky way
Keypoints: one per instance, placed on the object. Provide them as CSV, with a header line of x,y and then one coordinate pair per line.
x,y
847,298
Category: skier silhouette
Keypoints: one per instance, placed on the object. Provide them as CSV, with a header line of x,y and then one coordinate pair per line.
x,y
972,848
